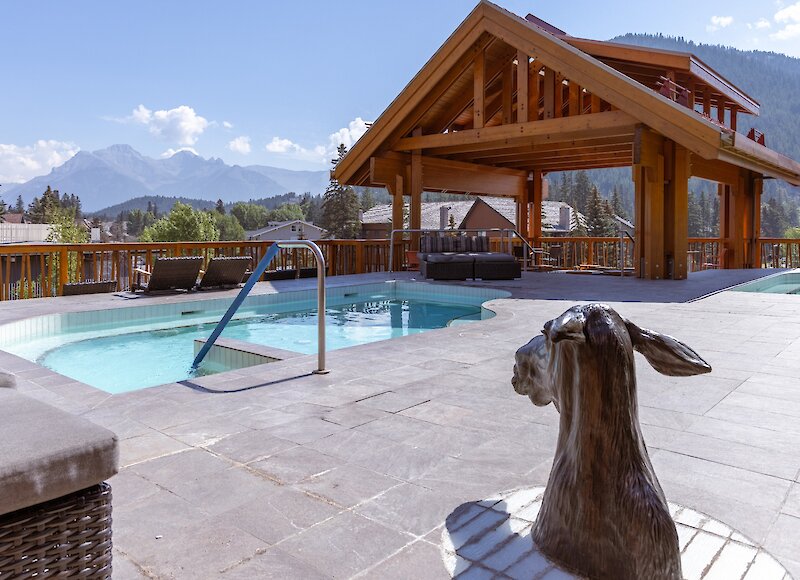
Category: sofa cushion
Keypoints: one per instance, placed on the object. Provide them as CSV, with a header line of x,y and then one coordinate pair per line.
x,y
46,453
484,257
450,258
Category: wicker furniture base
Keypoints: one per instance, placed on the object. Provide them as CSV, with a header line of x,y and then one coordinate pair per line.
x,y
68,537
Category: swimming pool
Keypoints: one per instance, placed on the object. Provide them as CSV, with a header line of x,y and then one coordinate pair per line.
x,y
130,348
783,283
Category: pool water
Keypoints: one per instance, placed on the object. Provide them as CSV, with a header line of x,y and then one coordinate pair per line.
x,y
784,283
133,360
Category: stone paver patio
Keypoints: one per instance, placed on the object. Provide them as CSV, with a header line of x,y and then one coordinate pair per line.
x,y
355,473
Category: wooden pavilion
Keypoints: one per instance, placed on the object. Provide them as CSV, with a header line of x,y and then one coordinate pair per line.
x,y
506,100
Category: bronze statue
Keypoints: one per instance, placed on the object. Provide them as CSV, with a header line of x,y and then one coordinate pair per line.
x,y
604,514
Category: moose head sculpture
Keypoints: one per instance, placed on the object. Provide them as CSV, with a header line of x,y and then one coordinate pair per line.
x,y
604,514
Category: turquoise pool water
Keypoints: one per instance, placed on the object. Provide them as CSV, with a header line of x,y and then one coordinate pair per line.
x,y
127,349
785,283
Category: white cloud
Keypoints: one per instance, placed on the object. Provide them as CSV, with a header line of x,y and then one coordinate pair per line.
x,y
170,152
789,18
180,125
762,23
23,162
320,153
227,124
718,22
240,145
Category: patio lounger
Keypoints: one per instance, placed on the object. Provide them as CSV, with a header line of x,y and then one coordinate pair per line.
x,y
224,272
170,274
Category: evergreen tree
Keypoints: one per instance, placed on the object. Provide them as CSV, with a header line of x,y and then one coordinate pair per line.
x,y
695,216
582,192
19,207
598,221
340,206
451,222
616,204
220,207
774,221
367,199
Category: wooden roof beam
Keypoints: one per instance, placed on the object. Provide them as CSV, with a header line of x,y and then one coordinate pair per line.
x,y
611,123
448,175
590,144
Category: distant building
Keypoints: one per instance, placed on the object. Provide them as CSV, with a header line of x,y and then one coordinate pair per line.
x,y
291,230
13,218
481,213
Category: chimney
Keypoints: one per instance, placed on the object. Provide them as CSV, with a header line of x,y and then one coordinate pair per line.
x,y
444,217
564,215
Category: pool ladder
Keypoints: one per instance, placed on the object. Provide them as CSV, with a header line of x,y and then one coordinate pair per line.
x,y
251,282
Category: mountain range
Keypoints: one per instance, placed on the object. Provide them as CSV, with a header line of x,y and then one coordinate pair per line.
x,y
118,173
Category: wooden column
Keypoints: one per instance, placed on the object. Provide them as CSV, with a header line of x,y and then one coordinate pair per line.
x,y
549,88
648,177
522,87
535,189
508,93
415,191
522,213
676,208
754,231
479,84
731,224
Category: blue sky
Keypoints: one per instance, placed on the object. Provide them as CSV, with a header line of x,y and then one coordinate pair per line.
x,y
270,82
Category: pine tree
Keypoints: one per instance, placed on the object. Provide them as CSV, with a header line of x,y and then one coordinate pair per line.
x,y
582,191
340,206
695,217
220,207
598,221
616,204
367,200
19,207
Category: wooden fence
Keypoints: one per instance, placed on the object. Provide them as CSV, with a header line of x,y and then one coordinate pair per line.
x,y
37,270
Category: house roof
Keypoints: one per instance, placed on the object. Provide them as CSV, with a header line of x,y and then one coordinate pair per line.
x,y
435,112
506,207
13,218
277,225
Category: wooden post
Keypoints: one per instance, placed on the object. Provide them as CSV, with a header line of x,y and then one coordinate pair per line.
x,y
522,87
549,89
676,208
648,176
536,188
508,93
415,217
479,76
63,270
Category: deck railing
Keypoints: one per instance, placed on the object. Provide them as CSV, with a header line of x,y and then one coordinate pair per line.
x,y
37,270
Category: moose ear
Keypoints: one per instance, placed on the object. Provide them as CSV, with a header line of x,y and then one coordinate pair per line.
x,y
666,354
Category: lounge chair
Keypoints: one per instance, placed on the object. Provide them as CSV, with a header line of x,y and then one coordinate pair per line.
x,y
224,272
169,274
89,287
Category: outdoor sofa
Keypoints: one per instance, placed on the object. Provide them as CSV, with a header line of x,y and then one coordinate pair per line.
x,y
55,505
458,257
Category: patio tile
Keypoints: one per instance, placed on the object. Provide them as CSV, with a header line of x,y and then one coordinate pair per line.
x,y
347,485
273,564
218,492
205,431
397,428
349,443
295,464
392,402
782,538
277,513
419,560
250,445
304,430
353,415
350,543
149,445
392,508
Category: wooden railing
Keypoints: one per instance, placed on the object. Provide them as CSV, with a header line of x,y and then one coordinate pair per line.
x,y
38,270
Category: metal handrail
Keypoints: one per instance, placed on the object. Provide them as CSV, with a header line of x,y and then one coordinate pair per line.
x,y
251,282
